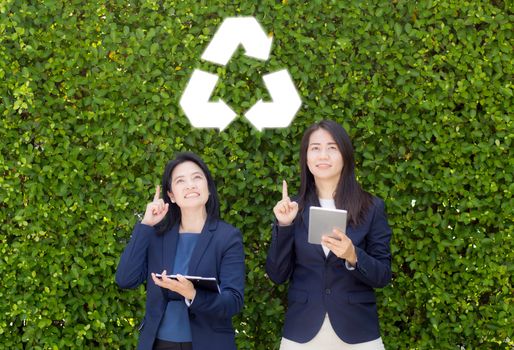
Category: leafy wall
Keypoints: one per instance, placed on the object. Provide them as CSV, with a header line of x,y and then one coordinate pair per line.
x,y
89,116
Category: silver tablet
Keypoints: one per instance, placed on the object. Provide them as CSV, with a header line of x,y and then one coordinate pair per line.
x,y
323,220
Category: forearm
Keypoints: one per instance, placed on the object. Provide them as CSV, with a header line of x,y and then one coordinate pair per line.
x,y
374,263
280,259
372,271
132,269
223,305
231,275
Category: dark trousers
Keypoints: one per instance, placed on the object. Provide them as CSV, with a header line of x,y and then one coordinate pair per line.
x,y
169,345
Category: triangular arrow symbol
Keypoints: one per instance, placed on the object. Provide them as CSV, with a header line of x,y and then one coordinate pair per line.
x,y
237,31
285,103
196,105
202,113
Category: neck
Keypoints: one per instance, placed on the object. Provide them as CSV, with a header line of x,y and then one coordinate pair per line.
x,y
192,220
326,188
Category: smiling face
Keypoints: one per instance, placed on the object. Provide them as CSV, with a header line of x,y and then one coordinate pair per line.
x,y
324,158
189,187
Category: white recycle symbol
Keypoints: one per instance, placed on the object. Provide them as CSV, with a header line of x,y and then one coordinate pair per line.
x,y
202,113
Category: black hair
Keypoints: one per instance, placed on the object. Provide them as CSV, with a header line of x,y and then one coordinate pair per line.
x,y
349,194
174,215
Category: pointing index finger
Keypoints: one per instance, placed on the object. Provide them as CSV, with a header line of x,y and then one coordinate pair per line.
x,y
284,190
157,195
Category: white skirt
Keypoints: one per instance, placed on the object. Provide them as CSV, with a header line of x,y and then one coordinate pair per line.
x,y
327,339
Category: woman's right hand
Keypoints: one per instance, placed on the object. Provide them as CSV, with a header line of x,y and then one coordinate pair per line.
x,y
285,210
156,210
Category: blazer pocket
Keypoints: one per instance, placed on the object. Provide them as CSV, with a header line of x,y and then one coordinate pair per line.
x,y
224,330
364,297
298,296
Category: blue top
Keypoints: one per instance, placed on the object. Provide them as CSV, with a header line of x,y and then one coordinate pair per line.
x,y
175,323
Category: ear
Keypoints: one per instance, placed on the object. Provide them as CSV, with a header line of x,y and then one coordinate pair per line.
x,y
172,196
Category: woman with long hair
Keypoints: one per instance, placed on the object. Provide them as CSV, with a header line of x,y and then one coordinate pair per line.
x,y
181,234
331,302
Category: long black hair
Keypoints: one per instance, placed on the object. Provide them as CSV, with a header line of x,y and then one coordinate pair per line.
x,y
349,194
174,215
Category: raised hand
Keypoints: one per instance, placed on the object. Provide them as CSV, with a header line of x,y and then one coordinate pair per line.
x,y
156,210
285,210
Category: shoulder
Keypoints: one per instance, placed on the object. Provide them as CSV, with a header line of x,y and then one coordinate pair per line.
x,y
226,236
377,212
375,207
225,229
377,202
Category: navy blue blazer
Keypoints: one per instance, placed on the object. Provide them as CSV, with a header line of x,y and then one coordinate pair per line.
x,y
320,285
218,253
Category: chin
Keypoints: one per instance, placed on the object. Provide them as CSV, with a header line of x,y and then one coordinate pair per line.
x,y
198,202
325,176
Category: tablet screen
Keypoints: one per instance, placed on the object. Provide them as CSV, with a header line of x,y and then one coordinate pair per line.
x,y
323,220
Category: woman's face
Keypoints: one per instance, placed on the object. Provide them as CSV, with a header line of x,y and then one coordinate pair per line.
x,y
189,187
324,158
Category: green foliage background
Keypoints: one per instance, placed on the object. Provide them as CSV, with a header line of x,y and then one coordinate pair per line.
x,y
89,116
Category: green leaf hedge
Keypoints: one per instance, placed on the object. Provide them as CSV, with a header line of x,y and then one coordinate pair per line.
x,y
89,95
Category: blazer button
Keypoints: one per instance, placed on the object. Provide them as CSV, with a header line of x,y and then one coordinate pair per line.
x,y
327,291
192,316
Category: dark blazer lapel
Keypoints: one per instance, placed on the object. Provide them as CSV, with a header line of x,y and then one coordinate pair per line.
x,y
305,219
202,244
169,248
350,232
331,257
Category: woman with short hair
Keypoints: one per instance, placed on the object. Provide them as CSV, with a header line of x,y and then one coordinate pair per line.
x,y
181,234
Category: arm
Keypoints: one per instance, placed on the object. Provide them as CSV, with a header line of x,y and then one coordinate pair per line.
x,y
374,263
232,278
280,260
132,268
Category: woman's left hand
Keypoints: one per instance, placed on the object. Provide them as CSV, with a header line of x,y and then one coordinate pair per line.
x,y
181,285
341,245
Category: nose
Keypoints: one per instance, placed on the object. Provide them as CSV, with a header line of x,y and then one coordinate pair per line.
x,y
190,185
323,154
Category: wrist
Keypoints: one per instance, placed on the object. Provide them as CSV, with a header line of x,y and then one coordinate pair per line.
x,y
283,223
352,259
192,295
145,222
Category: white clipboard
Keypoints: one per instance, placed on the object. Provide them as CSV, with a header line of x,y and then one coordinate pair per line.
x,y
207,283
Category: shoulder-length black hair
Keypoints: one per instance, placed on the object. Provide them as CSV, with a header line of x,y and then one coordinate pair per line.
x,y
174,215
349,194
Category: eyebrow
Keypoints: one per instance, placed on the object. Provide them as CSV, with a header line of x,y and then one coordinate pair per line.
x,y
195,173
319,143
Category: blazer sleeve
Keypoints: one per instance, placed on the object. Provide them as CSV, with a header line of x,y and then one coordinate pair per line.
x,y
374,262
281,257
133,265
232,278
